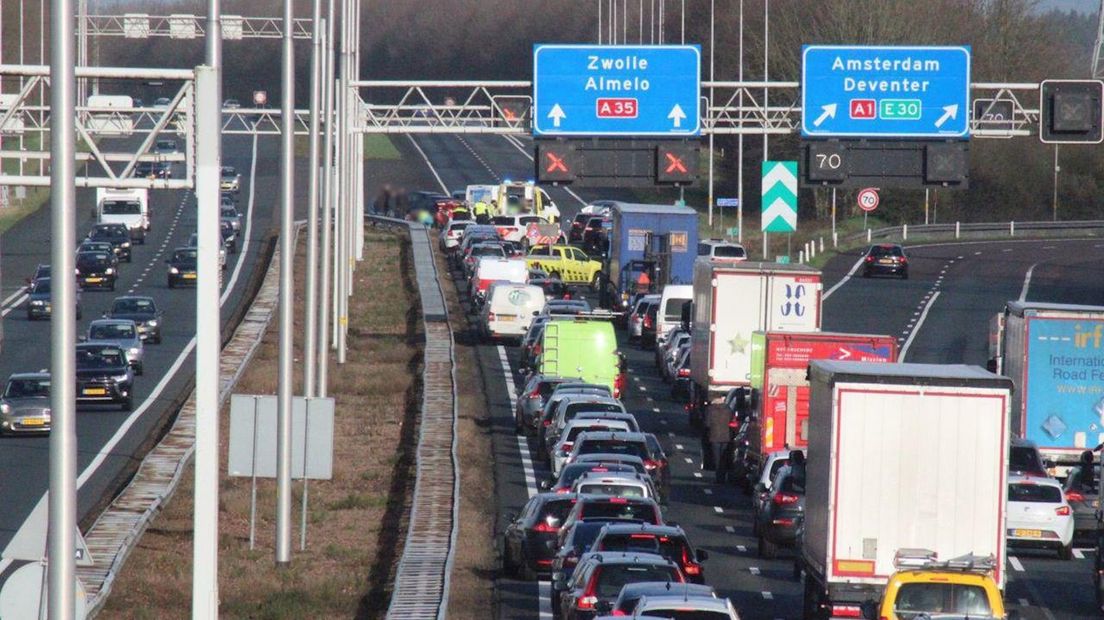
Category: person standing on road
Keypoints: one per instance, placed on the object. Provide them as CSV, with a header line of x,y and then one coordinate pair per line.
x,y
718,434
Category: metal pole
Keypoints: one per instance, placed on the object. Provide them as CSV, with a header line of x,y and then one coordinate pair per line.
x,y
712,56
640,23
926,192
342,266
599,22
82,47
624,21
834,214
1054,202
208,102
682,38
766,72
311,310
327,216
287,310
63,337
740,141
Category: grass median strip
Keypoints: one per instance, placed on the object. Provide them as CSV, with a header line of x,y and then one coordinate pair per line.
x,y
356,522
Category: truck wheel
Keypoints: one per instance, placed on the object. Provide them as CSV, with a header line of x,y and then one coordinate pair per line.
x,y
1065,553
767,549
810,603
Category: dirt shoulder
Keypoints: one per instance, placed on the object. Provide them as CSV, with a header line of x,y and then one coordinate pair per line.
x,y
356,521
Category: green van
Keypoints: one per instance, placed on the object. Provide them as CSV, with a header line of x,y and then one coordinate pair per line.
x,y
585,348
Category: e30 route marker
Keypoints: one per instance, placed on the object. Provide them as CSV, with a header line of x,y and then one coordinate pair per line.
x,y
613,90
884,91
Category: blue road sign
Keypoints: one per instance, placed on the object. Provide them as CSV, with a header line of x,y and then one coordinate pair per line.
x,y
616,90
878,91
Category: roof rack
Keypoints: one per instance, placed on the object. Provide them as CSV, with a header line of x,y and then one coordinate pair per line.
x,y
926,559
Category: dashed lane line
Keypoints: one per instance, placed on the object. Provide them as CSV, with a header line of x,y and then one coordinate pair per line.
x,y
919,324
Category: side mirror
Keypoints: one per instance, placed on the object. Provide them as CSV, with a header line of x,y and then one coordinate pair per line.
x,y
82,338
544,485
603,607
511,517
702,555
536,313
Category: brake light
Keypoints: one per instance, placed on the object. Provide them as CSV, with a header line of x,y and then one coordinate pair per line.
x,y
535,393
902,259
618,500
565,448
1062,511
650,464
642,536
869,259
544,528
1074,496
548,422
563,490
618,384
588,599
537,349
647,321
618,612
785,499
847,611
689,566
684,372
490,316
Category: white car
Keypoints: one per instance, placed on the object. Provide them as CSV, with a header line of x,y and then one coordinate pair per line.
x,y
1039,515
636,317
678,606
452,234
616,484
509,309
514,227
563,447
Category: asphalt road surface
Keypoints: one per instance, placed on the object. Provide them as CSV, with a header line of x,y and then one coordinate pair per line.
x,y
940,315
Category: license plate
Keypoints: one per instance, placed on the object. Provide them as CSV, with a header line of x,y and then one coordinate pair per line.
x,y
1027,533
33,422
189,276
886,261
95,391
506,317
93,280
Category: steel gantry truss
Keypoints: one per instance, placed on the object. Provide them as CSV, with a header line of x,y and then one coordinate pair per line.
x,y
504,107
186,26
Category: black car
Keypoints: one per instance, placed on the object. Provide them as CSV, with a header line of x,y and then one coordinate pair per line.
x,y
885,259
596,235
669,541
104,375
182,267
118,235
153,169
572,544
42,270
525,541
783,511
229,236
38,300
599,578
25,404
143,311
97,270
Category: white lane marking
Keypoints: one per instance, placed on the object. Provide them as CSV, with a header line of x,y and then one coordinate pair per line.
x,y
1027,282
1078,553
1009,250
767,596
843,280
919,324
1048,247
678,446
697,474
432,170
248,226
519,147
22,291
527,466
670,433
656,410
511,391
754,570
977,253
544,596
642,388
1023,602
732,530
688,460
707,491
1015,562
740,548
718,510
18,302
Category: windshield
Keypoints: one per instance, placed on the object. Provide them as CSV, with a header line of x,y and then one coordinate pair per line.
x,y
673,548
613,489
729,251
687,614
110,331
107,232
613,509
613,446
119,207
91,259
133,306
27,388
673,310
488,250
100,357
42,286
1034,493
229,211
185,257
916,600
575,430
1024,458
574,471
573,409
229,172
613,577
881,250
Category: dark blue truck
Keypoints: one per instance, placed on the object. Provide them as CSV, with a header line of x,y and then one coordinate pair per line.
x,y
660,240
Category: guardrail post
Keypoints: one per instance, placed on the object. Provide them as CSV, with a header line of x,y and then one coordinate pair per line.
x,y
835,239
822,243
958,229
801,256
904,232
1012,228
868,235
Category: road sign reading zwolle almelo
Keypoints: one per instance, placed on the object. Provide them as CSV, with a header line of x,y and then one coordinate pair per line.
x,y
604,90
877,91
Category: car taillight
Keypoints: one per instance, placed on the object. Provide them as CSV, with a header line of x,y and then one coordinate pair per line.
x,y
684,372
544,528
689,566
870,259
618,612
563,490
548,422
618,384
565,448
1074,496
490,316
647,321
535,393
537,349
588,599
1062,511
846,611
650,464
618,500
785,499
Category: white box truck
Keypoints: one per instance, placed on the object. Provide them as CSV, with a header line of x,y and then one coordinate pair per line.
x,y
900,456
124,206
1054,353
734,300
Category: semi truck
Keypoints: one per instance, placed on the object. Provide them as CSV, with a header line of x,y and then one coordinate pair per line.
x,y
780,385
659,240
1054,353
901,457
731,302
124,206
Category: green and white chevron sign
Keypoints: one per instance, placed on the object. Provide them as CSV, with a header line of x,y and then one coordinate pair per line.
x,y
780,196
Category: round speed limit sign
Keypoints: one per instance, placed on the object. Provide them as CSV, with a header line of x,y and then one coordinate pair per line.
x,y
868,199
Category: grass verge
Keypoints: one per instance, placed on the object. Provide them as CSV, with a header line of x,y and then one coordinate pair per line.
x,y
376,146
355,521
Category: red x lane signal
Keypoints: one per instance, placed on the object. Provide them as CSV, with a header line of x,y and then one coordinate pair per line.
x,y
556,163
677,163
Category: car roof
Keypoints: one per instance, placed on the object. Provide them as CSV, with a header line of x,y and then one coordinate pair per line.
x,y
111,322
29,375
608,457
604,415
606,435
134,297
626,557
574,422
582,397
615,527
641,588
698,602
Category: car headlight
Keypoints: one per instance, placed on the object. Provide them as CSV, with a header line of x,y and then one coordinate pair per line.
x,y
109,271
122,377
174,270
38,302
5,408
152,323
133,352
126,244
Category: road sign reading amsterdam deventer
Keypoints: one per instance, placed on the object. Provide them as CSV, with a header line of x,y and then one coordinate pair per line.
x,y
610,90
880,91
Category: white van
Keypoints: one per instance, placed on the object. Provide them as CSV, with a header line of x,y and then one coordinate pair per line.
x,y
490,269
509,309
124,206
674,297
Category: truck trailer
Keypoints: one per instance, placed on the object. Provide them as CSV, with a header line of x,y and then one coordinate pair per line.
x,y
660,240
900,457
1054,353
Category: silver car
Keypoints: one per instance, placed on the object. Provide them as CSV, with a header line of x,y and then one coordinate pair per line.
x,y
25,404
122,333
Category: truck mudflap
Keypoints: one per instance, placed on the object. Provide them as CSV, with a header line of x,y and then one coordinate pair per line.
x,y
822,601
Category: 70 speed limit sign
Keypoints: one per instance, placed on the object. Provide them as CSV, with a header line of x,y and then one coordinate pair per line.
x,y
868,199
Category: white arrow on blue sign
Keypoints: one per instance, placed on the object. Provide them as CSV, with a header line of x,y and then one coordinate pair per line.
x,y
883,91
779,196
603,90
